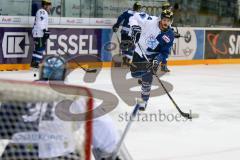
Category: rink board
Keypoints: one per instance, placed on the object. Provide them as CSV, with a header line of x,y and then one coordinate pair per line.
x,y
199,45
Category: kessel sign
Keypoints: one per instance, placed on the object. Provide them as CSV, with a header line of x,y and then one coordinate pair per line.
x,y
17,43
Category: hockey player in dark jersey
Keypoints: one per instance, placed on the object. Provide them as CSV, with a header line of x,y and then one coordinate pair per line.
x,y
164,68
123,20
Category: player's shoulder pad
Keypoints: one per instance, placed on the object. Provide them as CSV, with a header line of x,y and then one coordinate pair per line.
x,y
143,15
42,12
130,11
152,18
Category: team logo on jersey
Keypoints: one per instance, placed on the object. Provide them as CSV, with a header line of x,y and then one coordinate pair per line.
x,y
152,42
15,45
142,15
166,38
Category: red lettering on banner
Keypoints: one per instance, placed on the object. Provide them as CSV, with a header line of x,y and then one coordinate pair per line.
x,y
213,40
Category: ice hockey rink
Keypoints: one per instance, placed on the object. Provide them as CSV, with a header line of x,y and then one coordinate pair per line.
x,y
212,91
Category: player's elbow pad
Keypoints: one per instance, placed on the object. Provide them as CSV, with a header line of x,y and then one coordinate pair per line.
x,y
136,33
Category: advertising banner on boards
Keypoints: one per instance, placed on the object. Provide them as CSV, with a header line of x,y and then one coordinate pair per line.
x,y
188,47
17,43
222,44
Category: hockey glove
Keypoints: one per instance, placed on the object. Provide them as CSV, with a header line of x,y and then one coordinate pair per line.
x,y
177,35
127,60
115,28
136,33
46,34
127,45
155,65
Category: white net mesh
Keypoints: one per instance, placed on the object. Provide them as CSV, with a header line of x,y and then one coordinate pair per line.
x,y
32,127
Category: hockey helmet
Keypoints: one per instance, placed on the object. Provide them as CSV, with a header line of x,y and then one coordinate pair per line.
x,y
167,14
46,2
53,68
137,6
166,5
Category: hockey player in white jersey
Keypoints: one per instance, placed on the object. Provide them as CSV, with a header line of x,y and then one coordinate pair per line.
x,y
40,33
153,38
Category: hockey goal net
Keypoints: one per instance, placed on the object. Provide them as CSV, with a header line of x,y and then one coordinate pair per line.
x,y
34,126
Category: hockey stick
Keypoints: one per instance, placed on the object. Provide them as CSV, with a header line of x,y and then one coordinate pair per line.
x,y
88,70
132,117
186,115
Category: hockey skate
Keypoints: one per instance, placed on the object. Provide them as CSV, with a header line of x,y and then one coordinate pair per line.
x,y
164,68
34,64
101,155
142,104
140,81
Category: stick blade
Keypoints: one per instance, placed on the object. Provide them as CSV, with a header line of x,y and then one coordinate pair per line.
x,y
91,70
194,115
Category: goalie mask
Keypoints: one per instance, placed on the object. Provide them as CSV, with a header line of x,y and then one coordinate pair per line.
x,y
53,68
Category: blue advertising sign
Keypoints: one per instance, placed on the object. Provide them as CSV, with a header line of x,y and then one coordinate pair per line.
x,y
189,47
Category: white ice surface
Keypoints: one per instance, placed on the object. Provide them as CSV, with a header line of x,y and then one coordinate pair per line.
x,y
213,91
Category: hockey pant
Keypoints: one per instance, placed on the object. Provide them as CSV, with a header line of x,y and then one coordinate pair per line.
x,y
40,46
126,44
139,69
